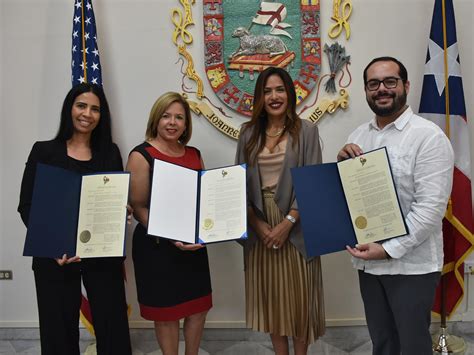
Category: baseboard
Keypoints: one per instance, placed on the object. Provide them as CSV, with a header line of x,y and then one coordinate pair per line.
x,y
240,324
143,324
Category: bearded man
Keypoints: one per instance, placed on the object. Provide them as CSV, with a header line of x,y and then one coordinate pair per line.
x,y
398,277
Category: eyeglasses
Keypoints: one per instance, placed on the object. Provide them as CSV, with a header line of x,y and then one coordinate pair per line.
x,y
390,83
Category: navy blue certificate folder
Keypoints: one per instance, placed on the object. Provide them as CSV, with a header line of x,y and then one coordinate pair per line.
x,y
325,209
54,213
325,218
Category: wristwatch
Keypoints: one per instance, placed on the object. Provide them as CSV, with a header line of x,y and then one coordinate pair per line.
x,y
290,218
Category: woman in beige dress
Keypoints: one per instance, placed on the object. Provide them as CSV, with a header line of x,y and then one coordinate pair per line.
x,y
284,295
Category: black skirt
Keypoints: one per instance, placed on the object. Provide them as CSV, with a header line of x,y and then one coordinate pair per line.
x,y
171,283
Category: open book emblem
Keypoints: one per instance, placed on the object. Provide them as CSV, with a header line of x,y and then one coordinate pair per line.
x,y
266,33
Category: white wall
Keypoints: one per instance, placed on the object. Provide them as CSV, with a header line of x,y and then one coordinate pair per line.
x,y
139,63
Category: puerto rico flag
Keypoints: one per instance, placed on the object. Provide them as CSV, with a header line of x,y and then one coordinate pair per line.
x,y
442,101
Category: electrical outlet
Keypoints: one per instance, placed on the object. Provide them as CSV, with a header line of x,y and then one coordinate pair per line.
x,y
6,275
469,267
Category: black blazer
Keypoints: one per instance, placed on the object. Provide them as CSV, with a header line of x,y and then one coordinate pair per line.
x,y
54,152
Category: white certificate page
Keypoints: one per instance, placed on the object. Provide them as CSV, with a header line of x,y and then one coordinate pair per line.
x,y
223,205
371,197
102,215
173,202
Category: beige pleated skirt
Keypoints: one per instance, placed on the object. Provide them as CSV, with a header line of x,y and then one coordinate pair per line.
x,y
284,292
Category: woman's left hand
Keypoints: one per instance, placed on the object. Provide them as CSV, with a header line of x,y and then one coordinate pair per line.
x,y
65,260
187,247
129,214
279,234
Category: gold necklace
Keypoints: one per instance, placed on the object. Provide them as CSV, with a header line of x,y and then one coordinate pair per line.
x,y
277,134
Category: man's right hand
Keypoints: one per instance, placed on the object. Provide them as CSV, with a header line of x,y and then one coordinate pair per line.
x,y
350,150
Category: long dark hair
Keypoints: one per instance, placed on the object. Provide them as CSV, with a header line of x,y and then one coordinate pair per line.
x,y
101,138
259,121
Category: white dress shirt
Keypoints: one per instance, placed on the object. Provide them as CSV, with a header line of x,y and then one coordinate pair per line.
x,y
422,162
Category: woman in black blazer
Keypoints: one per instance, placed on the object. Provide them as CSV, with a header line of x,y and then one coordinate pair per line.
x,y
83,144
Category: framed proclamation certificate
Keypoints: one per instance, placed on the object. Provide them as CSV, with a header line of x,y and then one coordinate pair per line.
x,y
346,203
205,206
73,214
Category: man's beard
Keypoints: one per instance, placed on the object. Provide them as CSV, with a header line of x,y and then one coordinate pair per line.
x,y
398,102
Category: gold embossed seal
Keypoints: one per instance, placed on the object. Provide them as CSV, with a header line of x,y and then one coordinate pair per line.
x,y
361,222
208,224
85,236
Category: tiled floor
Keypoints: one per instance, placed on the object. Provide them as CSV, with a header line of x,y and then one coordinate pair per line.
x,y
337,341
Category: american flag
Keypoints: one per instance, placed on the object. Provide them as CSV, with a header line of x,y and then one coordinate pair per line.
x,y
85,63
442,101
85,68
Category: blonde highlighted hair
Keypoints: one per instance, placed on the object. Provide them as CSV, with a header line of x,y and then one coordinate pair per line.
x,y
159,108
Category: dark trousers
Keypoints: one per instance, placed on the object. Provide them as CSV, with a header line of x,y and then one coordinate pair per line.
x,y
59,298
398,312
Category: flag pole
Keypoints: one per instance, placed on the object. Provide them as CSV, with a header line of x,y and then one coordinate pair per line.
x,y
443,342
